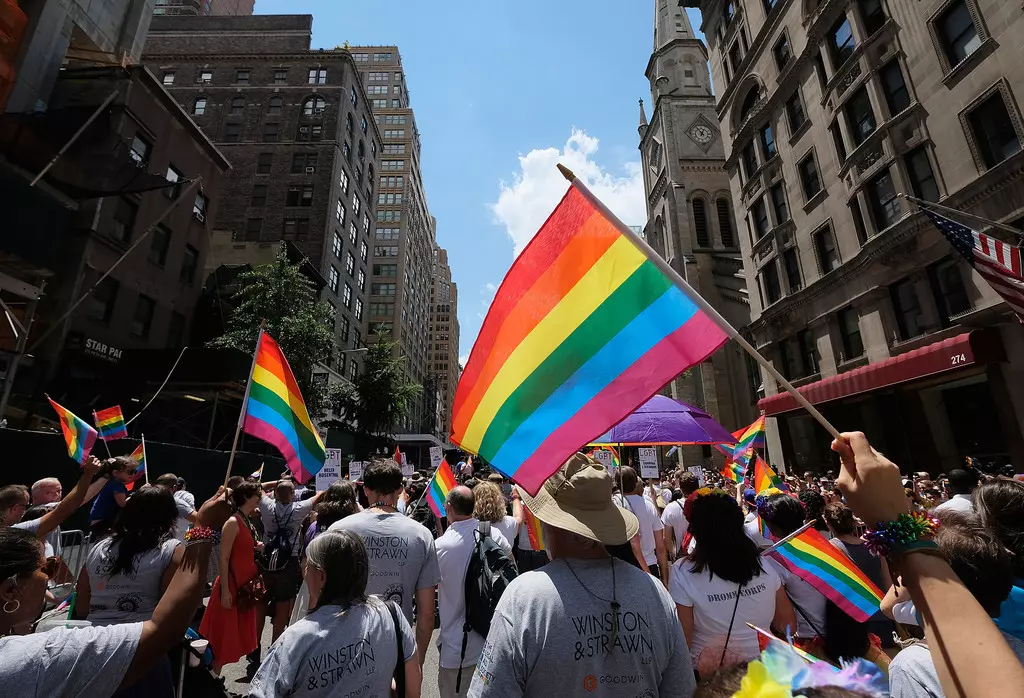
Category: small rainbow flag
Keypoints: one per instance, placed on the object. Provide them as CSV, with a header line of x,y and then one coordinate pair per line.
x,y
748,441
257,474
275,412
110,423
807,554
398,456
732,471
78,435
765,477
440,485
139,456
583,330
532,524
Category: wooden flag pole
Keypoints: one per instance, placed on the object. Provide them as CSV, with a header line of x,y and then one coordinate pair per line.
x,y
145,461
788,538
706,307
245,405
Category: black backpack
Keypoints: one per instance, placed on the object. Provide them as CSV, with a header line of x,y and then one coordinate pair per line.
x,y
278,550
490,572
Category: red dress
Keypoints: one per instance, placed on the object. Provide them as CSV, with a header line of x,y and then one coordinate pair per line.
x,y
232,632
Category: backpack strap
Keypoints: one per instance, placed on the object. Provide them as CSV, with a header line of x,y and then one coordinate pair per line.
x,y
400,662
466,627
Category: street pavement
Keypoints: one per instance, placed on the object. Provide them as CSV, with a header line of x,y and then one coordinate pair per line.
x,y
237,682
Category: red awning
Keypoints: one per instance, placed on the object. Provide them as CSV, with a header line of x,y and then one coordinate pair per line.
x,y
953,354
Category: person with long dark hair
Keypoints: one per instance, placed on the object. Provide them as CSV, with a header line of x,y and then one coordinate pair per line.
x,y
1000,507
348,639
337,502
723,585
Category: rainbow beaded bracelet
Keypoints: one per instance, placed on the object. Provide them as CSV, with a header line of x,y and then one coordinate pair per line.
x,y
200,534
907,532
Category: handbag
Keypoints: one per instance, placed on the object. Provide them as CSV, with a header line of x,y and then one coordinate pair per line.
x,y
254,592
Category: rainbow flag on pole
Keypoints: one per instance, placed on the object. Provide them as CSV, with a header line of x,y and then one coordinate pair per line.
x,y
440,485
748,441
78,435
807,554
110,423
275,412
139,456
733,472
585,327
532,524
765,477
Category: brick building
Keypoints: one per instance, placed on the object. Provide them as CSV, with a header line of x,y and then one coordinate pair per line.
x,y
828,112
444,338
203,8
298,129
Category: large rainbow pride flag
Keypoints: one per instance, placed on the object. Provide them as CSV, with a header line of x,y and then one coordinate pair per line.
x,y
440,485
584,328
811,557
78,435
276,412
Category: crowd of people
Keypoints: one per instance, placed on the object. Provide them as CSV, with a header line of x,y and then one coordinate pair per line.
x,y
633,588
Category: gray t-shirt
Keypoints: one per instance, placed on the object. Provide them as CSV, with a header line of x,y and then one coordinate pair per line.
x,y
402,555
912,672
289,516
121,598
552,635
69,662
335,653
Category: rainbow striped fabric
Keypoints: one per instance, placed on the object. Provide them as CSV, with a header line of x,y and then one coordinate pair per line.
x,y
732,471
748,441
440,485
819,563
110,423
533,531
584,329
78,435
139,456
276,413
765,477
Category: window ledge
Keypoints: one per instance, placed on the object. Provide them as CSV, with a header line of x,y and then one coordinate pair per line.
x,y
813,202
806,380
956,73
850,364
800,131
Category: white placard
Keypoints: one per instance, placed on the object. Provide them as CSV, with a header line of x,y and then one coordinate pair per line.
x,y
436,456
648,462
604,458
407,468
699,472
331,472
355,471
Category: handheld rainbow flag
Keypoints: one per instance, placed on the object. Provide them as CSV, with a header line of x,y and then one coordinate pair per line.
x,y
110,423
257,474
78,435
765,477
733,472
807,554
275,412
139,456
440,485
532,524
588,323
748,441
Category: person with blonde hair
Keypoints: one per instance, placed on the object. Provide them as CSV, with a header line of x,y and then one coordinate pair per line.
x,y
490,506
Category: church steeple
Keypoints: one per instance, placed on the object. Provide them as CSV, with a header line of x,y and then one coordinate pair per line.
x,y
679,64
670,23
643,121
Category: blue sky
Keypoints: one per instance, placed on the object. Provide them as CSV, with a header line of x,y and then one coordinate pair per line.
x,y
503,91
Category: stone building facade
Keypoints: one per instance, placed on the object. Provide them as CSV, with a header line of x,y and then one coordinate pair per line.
x,y
689,207
297,127
830,111
444,337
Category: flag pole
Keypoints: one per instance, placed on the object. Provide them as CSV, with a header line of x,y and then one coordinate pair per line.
x,y
680,283
788,538
1019,234
245,404
145,469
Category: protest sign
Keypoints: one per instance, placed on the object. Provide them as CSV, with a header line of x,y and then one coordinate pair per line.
x,y
407,468
331,472
604,458
355,470
436,455
699,472
648,462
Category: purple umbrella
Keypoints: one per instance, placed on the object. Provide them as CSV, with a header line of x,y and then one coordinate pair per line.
x,y
662,421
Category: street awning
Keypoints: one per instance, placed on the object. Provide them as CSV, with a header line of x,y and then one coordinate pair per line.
x,y
953,354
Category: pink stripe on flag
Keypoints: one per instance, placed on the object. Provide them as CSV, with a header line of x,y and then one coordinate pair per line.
x,y
261,430
689,345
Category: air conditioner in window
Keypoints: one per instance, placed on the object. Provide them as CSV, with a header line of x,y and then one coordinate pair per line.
x,y
199,216
310,170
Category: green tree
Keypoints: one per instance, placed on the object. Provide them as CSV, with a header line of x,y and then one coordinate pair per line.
x,y
303,325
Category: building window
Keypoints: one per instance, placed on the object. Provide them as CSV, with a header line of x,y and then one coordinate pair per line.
x,y
332,279
125,212
314,106
858,221
346,296
159,245
849,334
102,300
295,228
760,214
299,196
270,133
725,223
353,367
837,140
140,150
253,228
808,352
274,106
885,205
362,250
392,164
383,289
957,33
897,97
350,264
173,176
280,76
795,113
825,248
385,271
199,106
242,76
993,130
872,15
385,251
317,76
304,163
343,333
366,223
783,52
205,77
310,132
700,223
364,125
778,194
357,313
263,163
361,279
789,358
168,78
237,106
859,116
339,211
907,309
735,57
389,216
142,319
749,158
840,42
819,70
922,179
336,245
189,265
949,290
770,281
355,205
343,180
232,133
768,142
353,233
809,178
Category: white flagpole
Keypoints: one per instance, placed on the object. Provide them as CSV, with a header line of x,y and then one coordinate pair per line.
x,y
245,404
706,307
957,212
788,538
145,469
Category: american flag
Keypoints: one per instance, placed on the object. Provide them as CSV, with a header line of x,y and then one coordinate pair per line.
x,y
997,262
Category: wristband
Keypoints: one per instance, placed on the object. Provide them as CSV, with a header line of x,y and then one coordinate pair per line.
x,y
201,534
908,533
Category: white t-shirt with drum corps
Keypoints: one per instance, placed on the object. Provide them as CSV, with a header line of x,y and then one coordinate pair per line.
x,y
550,636
401,553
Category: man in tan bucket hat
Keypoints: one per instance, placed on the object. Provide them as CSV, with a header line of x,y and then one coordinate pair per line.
x,y
585,623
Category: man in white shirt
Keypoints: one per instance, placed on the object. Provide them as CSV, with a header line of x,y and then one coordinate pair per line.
x,y
961,485
183,500
652,541
454,550
673,518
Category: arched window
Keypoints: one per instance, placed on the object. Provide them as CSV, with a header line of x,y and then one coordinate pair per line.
x,y
237,106
752,98
275,104
199,106
725,223
361,151
700,223
314,106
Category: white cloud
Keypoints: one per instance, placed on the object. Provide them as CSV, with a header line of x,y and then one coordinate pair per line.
x,y
525,204
490,287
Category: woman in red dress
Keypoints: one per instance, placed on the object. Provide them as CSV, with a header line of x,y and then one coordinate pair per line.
x,y
230,629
